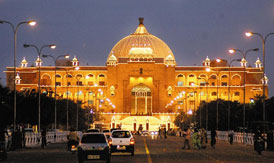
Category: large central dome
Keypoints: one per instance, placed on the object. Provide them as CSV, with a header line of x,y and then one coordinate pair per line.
x,y
141,45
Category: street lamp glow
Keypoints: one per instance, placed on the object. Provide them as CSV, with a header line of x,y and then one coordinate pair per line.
x,y
52,46
208,69
189,112
67,57
218,60
248,34
87,77
231,51
77,68
32,23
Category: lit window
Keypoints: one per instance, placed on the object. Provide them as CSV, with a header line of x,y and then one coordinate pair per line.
x,y
224,83
237,94
213,94
180,83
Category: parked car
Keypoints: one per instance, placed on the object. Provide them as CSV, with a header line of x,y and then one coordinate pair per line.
x,y
93,130
93,146
121,141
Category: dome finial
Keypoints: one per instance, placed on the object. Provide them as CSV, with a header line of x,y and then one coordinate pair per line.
x,y
141,20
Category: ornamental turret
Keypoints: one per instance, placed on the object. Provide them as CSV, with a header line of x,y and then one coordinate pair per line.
x,y
24,63
75,62
170,61
243,62
112,61
206,62
38,62
258,63
17,79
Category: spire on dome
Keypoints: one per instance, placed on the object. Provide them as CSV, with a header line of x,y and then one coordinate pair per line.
x,y
258,63
38,62
24,63
141,29
75,61
206,62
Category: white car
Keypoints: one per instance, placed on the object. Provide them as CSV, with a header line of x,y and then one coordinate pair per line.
x,y
121,141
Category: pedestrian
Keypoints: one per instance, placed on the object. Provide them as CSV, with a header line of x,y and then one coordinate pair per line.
x,y
44,138
186,135
213,135
159,133
196,139
203,138
165,133
231,136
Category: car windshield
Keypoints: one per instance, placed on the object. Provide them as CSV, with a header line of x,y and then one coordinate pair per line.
x,y
93,138
93,130
121,134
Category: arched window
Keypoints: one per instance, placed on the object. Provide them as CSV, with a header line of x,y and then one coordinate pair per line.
x,y
236,80
213,77
203,76
101,76
213,94
224,76
69,76
191,76
237,94
79,75
179,76
58,76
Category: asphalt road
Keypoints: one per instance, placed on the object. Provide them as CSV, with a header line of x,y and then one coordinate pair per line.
x,y
148,150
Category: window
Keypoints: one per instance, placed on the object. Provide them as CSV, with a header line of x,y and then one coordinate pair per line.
x,y
101,76
101,83
213,84
191,102
202,83
224,83
68,83
90,102
213,77
79,83
224,76
58,83
203,76
179,76
180,102
90,76
69,76
237,94
58,76
90,83
121,134
213,94
93,138
180,83
191,76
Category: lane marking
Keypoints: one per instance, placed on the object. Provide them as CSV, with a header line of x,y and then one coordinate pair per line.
x,y
147,152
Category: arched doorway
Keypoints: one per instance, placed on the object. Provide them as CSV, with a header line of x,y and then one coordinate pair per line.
x,y
141,100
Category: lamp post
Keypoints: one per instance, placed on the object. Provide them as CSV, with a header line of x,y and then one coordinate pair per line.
x,y
244,54
67,97
217,87
55,60
228,94
78,77
39,51
264,39
206,82
15,29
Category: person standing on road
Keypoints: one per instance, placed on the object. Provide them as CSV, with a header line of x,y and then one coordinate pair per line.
x,y
203,138
196,139
44,138
165,133
159,133
213,135
186,135
231,135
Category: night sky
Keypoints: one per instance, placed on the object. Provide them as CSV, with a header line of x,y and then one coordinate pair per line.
x,y
89,29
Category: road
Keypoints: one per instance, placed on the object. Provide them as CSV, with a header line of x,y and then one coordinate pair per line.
x,y
148,150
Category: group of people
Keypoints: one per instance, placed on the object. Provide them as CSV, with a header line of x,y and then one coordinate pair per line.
x,y
162,132
198,138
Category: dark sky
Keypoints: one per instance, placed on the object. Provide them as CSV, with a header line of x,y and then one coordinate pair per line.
x,y
89,29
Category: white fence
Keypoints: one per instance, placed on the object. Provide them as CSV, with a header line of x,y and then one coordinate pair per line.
x,y
245,138
34,139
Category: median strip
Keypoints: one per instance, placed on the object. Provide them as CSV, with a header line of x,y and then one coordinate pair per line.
x,y
147,152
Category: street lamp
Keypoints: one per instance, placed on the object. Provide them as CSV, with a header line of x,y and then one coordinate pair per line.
x,y
67,95
206,82
55,60
228,94
39,51
217,87
15,29
78,78
249,34
244,54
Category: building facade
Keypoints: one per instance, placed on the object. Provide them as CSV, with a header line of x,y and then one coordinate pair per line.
x,y
141,84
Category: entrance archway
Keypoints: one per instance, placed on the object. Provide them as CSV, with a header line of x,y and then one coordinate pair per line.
x,y
141,100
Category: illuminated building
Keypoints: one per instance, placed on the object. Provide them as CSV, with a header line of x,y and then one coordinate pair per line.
x,y
141,83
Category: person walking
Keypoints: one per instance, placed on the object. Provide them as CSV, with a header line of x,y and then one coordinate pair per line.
x,y
186,135
196,139
203,138
213,135
165,133
231,135
159,133
44,138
